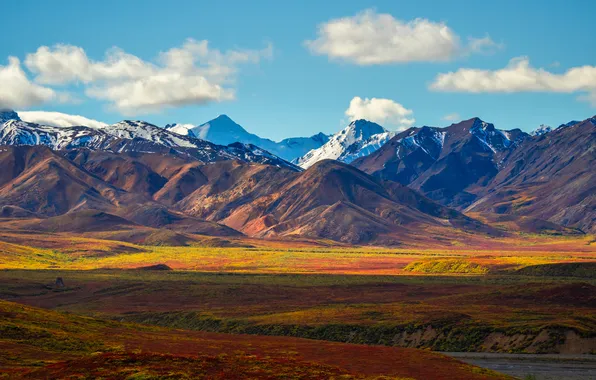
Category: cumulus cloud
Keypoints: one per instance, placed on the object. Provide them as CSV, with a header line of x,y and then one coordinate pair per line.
x,y
452,117
383,111
519,76
16,91
159,91
369,38
193,73
63,64
59,119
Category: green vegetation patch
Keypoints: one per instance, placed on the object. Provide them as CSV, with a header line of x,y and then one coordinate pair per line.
x,y
584,270
446,266
449,335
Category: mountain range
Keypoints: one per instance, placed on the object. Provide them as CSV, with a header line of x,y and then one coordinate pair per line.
x,y
129,136
551,176
359,138
444,163
80,190
224,131
469,178
474,167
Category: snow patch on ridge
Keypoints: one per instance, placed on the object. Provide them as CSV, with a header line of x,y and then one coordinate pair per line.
x,y
359,138
181,129
494,139
541,130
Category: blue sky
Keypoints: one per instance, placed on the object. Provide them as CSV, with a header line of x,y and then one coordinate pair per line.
x,y
287,89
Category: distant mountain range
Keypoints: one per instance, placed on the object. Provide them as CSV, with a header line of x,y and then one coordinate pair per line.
x,y
129,136
359,138
223,130
468,177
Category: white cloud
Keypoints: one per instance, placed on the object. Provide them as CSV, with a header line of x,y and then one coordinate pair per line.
x,y
158,91
369,38
191,74
519,76
383,111
58,119
16,91
452,117
66,63
484,45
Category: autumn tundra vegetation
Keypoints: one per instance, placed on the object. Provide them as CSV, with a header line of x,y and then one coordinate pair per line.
x,y
307,309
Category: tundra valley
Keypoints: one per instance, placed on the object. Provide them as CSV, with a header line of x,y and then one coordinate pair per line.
x,y
439,247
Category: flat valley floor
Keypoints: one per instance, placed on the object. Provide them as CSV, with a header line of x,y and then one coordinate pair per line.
x,y
294,308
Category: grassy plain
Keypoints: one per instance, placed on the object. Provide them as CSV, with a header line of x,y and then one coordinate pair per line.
x,y
391,310
57,251
38,343
529,293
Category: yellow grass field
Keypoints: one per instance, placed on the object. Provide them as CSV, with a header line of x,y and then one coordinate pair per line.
x,y
58,251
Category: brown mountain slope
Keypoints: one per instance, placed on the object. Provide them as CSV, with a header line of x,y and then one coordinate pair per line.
x,y
330,199
551,177
15,212
40,181
471,166
235,191
119,170
94,221
155,215
162,177
79,221
186,179
143,173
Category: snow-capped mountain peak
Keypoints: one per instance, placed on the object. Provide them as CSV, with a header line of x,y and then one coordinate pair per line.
x,y
18,132
541,130
481,125
131,129
362,129
6,115
221,128
569,124
223,118
320,137
181,129
224,131
428,139
359,138
493,138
